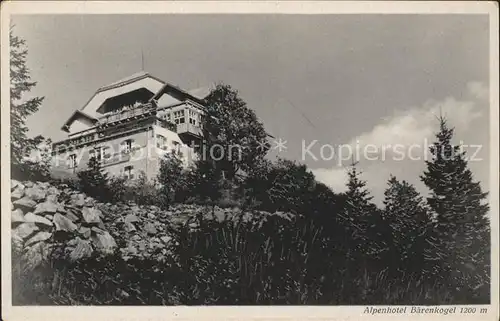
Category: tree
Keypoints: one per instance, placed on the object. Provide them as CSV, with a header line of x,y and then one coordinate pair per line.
x,y
94,181
20,108
364,226
407,217
280,186
172,178
232,132
462,239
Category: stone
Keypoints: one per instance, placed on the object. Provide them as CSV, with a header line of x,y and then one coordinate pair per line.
x,y
13,184
131,218
82,250
17,193
63,223
25,229
29,184
129,227
35,193
53,191
97,230
46,207
78,200
91,215
38,237
71,216
150,229
166,239
104,242
17,216
30,217
151,216
25,203
85,232
49,217
51,198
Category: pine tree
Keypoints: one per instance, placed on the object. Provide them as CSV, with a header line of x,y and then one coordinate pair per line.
x,y
20,109
94,181
462,234
407,217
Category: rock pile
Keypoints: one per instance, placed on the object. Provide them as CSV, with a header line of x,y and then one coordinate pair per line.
x,y
43,215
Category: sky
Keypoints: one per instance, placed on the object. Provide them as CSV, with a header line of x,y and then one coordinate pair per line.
x,y
326,80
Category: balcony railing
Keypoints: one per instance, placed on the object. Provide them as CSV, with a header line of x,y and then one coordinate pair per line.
x,y
80,140
123,115
187,128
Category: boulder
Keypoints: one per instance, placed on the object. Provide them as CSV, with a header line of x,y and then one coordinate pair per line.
x,y
91,215
38,237
51,198
36,193
85,232
46,207
151,216
129,227
25,229
166,239
104,242
63,223
17,216
71,216
150,229
82,250
97,230
25,203
131,218
30,217
17,193
14,183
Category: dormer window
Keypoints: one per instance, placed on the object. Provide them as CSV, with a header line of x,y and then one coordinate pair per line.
x,y
193,117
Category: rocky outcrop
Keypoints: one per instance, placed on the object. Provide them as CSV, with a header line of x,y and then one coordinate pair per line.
x,y
45,216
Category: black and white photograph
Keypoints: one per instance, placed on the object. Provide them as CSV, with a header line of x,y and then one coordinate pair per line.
x,y
277,158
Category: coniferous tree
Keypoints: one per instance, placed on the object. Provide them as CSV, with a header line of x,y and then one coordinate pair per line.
x,y
20,108
407,217
94,181
461,242
363,224
172,178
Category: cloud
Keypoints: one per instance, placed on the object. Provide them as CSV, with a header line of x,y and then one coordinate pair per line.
x,y
416,126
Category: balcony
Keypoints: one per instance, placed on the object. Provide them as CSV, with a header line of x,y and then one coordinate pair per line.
x,y
189,129
116,158
74,142
126,115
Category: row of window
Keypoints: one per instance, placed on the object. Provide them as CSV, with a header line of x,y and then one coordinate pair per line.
x,y
161,143
179,117
103,153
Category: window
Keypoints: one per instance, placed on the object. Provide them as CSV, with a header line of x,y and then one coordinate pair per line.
x,y
168,117
177,146
179,117
128,172
161,142
193,117
71,161
96,153
126,146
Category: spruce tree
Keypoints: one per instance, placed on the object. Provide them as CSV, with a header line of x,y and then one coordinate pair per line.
x,y
20,108
94,181
461,241
407,217
363,224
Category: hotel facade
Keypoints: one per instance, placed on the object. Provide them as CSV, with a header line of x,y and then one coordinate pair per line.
x,y
129,125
